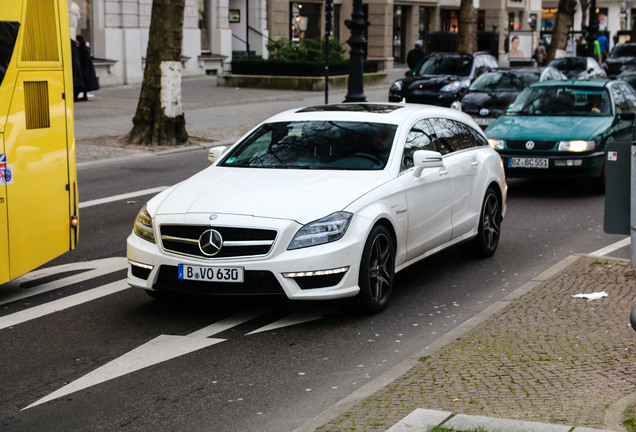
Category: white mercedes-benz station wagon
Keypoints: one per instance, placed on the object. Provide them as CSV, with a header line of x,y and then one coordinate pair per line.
x,y
324,202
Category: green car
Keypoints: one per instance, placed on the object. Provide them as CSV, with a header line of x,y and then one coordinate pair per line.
x,y
562,128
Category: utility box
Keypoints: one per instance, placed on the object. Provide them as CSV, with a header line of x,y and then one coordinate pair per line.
x,y
618,188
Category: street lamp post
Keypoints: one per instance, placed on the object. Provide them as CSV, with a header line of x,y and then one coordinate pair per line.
x,y
592,28
357,24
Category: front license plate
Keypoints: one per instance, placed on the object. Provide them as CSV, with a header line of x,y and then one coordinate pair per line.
x,y
528,162
211,274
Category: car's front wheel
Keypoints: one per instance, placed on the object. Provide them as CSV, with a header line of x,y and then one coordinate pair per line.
x,y
485,243
377,271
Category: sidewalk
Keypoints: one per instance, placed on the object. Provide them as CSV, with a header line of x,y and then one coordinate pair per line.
x,y
539,356
538,360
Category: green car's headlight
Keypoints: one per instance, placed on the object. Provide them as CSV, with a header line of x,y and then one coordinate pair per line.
x,y
325,230
143,225
576,146
497,144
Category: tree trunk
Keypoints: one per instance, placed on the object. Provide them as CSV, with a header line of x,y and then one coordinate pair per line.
x,y
564,20
159,119
467,31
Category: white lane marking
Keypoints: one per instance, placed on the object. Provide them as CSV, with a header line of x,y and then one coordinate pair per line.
x,y
611,248
61,304
160,349
122,196
13,291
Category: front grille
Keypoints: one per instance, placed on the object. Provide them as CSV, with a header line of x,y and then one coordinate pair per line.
x,y
538,145
237,242
255,282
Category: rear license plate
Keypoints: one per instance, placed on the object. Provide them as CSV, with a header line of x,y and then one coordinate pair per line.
x,y
528,162
211,274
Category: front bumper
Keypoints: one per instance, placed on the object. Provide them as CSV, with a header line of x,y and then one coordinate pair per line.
x,y
153,268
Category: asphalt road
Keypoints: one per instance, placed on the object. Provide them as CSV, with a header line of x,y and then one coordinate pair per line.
x,y
116,359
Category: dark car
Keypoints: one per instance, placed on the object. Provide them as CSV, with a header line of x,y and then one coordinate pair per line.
x,y
578,67
562,128
489,96
629,76
440,77
622,57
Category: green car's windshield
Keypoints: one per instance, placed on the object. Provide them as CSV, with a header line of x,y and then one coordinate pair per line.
x,y
446,65
334,145
562,101
503,82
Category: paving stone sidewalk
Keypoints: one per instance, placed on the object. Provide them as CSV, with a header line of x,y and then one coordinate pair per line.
x,y
547,357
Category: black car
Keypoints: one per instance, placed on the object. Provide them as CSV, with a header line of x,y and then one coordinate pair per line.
x,y
578,67
622,57
440,77
629,76
489,96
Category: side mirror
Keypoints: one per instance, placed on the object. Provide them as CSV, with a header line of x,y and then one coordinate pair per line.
x,y
408,73
627,115
426,159
215,153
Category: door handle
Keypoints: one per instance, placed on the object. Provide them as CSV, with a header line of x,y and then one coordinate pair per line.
x,y
474,163
443,171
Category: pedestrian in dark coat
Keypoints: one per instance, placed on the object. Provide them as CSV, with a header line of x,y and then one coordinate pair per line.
x,y
415,55
88,68
78,81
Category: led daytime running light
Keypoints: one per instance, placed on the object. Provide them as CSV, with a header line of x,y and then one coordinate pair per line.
x,y
316,273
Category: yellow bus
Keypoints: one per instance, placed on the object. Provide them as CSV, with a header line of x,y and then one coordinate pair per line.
x,y
38,180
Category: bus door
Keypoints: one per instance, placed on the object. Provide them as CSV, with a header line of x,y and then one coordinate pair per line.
x,y
36,103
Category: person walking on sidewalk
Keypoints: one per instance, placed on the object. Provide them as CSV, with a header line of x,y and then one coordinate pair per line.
x,y
88,68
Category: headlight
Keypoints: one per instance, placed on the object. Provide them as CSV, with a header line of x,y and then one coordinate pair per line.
x,y
397,86
325,230
452,87
457,105
576,146
143,226
497,144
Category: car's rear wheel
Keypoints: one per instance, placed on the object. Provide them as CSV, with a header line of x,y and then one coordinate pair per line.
x,y
377,271
485,243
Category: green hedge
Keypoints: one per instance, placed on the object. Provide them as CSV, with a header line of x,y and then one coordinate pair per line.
x,y
280,68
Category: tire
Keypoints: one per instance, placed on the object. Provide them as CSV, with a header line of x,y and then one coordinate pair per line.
x,y
377,271
485,243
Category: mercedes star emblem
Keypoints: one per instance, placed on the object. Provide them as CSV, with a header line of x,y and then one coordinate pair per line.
x,y
210,242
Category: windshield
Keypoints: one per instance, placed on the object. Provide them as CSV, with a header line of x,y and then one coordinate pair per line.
x,y
567,64
334,145
503,82
562,101
623,51
446,65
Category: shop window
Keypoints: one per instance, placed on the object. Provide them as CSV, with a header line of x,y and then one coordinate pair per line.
x,y
450,19
305,20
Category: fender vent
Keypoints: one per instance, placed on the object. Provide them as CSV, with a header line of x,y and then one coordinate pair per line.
x,y
40,36
36,104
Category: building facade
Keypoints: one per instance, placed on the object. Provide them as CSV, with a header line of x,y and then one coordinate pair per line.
x,y
215,31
